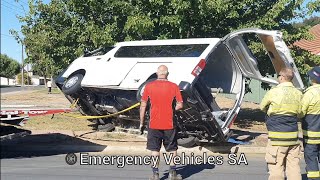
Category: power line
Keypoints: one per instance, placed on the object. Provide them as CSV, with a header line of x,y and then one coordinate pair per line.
x,y
13,5
13,10
7,35
23,2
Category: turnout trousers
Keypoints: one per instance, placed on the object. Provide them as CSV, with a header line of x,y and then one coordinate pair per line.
x,y
283,160
312,158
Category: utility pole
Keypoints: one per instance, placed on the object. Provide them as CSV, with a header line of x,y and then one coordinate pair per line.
x,y
22,80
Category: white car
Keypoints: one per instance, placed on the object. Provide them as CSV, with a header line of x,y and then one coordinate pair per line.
x,y
110,79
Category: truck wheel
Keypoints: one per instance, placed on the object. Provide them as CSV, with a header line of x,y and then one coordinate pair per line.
x,y
188,142
141,88
73,84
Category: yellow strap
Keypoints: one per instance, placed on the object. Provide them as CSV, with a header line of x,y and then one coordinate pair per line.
x,y
311,134
312,141
283,143
103,116
74,103
313,174
273,134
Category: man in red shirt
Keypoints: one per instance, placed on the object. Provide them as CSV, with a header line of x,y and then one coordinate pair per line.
x,y
161,94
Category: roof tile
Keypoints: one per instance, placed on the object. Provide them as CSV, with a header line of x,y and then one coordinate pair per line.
x,y
313,45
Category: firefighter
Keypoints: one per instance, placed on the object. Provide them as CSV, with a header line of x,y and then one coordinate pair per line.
x,y
310,112
283,151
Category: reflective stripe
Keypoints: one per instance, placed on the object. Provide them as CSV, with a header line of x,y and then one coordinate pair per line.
x,y
311,134
282,135
282,130
312,141
313,174
284,143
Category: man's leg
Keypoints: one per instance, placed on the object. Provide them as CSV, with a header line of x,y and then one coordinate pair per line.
x,y
171,145
275,157
155,165
311,157
292,163
154,140
174,154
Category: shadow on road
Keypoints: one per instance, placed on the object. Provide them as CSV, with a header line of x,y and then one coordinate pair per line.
x,y
248,117
238,137
245,136
46,145
189,170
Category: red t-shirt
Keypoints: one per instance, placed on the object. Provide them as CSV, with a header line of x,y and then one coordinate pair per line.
x,y
161,94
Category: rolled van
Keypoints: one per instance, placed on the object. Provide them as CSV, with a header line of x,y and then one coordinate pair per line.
x,y
110,79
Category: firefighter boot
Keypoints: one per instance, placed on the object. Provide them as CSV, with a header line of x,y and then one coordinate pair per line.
x,y
173,175
155,176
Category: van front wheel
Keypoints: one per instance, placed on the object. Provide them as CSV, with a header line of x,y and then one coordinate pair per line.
x,y
72,84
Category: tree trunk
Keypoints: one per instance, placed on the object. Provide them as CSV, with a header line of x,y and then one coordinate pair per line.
x,y
45,80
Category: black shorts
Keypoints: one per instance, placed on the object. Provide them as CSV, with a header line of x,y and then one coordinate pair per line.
x,y
156,137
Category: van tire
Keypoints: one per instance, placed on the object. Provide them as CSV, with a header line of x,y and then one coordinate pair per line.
x,y
72,84
188,142
106,127
141,87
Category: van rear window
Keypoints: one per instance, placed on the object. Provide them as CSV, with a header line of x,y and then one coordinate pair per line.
x,y
181,50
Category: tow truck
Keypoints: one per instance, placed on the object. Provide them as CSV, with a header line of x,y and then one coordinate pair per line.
x,y
14,116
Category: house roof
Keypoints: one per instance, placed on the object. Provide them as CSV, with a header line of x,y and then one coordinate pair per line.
x,y
313,45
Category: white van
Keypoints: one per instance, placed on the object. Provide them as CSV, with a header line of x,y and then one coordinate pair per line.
x,y
110,79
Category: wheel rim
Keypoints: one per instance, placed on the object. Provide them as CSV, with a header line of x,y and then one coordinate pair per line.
x,y
72,81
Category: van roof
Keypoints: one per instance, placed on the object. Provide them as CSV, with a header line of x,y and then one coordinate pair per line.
x,y
170,42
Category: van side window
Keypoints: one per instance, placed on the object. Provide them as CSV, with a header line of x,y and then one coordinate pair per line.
x,y
183,50
97,52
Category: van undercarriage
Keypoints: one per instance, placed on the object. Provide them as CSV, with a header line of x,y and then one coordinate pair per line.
x,y
194,120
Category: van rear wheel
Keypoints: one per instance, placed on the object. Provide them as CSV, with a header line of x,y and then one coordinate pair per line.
x,y
188,142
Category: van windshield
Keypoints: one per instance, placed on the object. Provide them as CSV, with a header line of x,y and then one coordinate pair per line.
x,y
149,51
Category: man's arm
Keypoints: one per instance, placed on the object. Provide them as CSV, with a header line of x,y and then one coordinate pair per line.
x,y
143,106
179,100
264,105
179,105
304,105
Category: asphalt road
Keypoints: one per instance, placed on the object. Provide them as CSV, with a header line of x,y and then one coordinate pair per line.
x,y
55,167
17,88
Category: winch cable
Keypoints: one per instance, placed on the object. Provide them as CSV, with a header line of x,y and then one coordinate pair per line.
x,y
100,116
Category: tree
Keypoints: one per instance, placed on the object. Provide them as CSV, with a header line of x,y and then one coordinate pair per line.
x,y
9,67
26,78
58,32
312,21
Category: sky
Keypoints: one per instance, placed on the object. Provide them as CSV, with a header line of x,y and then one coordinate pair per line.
x,y
9,10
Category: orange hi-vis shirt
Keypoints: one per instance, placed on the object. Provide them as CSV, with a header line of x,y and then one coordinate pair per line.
x,y
161,94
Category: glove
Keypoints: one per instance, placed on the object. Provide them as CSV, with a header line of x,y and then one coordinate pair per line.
x,y
142,128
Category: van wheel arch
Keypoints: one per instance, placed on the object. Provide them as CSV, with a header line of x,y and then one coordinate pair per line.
x,y
141,87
